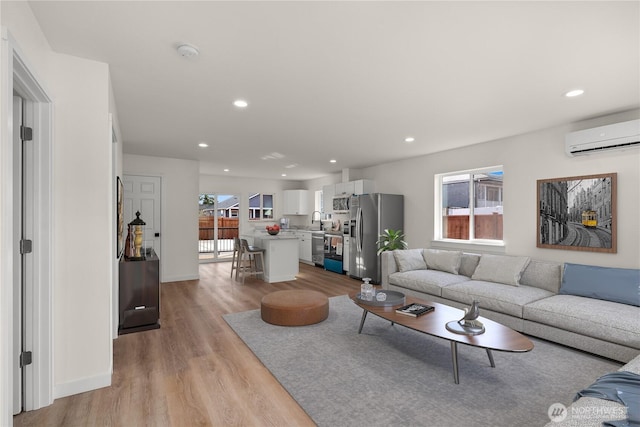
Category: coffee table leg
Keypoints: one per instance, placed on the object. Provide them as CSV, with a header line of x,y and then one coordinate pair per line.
x,y
493,365
454,358
364,316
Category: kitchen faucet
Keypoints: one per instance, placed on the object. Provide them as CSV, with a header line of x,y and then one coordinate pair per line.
x,y
313,216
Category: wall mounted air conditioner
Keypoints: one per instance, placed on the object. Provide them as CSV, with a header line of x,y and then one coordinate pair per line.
x,y
611,137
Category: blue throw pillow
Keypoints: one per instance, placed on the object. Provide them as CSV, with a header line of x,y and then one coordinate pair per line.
x,y
610,284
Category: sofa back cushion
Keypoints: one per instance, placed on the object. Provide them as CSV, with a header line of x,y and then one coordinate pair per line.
x,y
441,260
611,284
468,264
409,259
503,269
543,274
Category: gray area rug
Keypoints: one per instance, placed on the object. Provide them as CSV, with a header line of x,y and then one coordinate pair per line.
x,y
390,375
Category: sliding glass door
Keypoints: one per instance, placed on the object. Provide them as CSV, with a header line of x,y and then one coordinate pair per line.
x,y
218,223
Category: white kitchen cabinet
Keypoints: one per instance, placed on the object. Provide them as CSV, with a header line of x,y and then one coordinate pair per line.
x,y
304,242
280,261
328,191
345,253
345,188
363,186
296,202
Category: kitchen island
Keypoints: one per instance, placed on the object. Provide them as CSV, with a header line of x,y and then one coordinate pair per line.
x,y
280,257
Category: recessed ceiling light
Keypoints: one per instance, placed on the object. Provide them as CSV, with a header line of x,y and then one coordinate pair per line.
x,y
409,139
575,92
240,103
226,170
284,174
187,50
203,145
332,161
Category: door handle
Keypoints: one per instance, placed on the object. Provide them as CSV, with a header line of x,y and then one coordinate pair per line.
x,y
157,235
360,229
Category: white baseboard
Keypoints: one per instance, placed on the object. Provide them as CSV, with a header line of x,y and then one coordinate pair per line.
x,y
81,385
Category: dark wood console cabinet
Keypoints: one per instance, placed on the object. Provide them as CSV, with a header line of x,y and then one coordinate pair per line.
x,y
139,294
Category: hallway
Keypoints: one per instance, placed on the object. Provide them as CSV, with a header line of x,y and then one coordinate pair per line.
x,y
194,370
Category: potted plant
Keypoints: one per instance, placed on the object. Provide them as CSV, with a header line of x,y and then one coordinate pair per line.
x,y
391,240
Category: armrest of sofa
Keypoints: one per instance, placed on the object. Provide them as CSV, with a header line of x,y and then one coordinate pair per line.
x,y
387,266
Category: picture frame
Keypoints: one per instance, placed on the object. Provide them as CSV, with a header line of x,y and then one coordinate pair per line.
x,y
119,217
578,213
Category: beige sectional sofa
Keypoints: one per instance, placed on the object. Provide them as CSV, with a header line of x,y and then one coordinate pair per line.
x,y
518,292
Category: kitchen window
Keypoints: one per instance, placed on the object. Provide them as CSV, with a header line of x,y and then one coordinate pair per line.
x,y
260,206
469,206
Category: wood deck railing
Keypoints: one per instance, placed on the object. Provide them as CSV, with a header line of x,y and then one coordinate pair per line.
x,y
227,231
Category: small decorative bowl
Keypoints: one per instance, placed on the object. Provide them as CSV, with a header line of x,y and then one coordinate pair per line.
x,y
273,232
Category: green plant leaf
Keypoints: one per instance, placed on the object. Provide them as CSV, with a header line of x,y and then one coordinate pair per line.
x,y
391,240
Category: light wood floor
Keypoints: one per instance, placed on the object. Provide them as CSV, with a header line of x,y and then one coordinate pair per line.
x,y
194,370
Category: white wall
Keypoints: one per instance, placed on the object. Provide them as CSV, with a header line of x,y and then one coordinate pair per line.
x,y
82,199
83,230
526,158
116,171
179,212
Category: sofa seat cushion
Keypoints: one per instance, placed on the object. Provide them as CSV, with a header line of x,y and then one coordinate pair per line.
x,y
497,297
427,281
605,320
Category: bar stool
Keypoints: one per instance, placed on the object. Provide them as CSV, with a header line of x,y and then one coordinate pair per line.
x,y
235,261
250,252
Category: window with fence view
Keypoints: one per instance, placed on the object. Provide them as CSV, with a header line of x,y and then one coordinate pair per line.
x,y
471,204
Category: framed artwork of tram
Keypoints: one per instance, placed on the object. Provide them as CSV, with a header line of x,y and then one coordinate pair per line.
x,y
577,213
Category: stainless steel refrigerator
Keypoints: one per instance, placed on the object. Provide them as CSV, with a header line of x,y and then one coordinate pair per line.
x,y
369,216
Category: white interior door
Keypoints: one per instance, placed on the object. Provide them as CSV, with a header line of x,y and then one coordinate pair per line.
x,y
17,263
23,259
26,292
142,194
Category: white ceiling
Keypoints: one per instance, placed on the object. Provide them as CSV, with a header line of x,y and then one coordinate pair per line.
x,y
347,80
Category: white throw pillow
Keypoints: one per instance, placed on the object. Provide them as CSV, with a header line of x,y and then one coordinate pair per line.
x,y
501,269
447,261
409,259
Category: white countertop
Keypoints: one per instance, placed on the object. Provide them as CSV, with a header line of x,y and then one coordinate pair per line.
x,y
276,237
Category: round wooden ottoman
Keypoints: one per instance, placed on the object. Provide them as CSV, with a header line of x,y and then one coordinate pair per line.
x,y
294,307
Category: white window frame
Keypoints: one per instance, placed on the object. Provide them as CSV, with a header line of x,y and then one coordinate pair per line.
x,y
261,208
437,213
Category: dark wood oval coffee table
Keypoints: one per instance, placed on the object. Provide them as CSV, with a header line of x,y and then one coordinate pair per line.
x,y
496,337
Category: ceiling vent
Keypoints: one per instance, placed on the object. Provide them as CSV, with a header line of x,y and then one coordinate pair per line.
x,y
604,138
